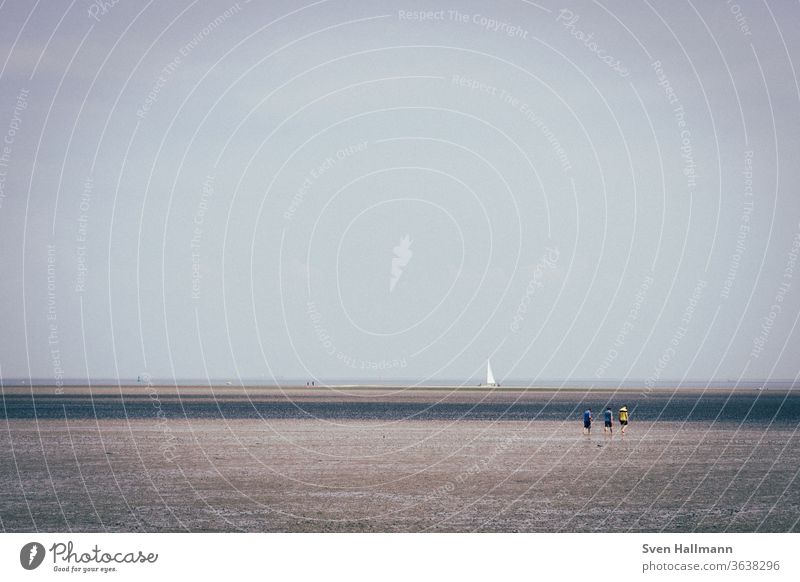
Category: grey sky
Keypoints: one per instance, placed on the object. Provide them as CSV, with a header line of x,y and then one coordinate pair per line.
x,y
227,188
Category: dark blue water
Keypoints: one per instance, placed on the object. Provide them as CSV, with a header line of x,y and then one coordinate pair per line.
x,y
749,407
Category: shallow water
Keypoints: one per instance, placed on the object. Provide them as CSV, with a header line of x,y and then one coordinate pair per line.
x,y
746,407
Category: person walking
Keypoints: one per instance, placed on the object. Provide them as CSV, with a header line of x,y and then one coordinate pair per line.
x,y
623,418
608,420
587,421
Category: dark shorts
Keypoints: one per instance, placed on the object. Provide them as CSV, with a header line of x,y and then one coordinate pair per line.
x,y
623,422
608,423
587,424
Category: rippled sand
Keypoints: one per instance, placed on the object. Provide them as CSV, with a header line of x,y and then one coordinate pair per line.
x,y
168,474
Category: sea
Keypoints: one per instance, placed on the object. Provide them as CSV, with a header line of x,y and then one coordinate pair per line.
x,y
737,406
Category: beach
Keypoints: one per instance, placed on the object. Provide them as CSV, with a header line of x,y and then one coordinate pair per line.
x,y
396,460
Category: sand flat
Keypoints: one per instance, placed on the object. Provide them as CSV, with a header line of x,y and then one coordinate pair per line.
x,y
200,463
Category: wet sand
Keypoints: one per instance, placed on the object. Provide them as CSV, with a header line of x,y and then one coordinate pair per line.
x,y
368,470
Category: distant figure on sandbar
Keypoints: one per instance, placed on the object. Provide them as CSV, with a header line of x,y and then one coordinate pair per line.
x,y
587,421
623,418
608,420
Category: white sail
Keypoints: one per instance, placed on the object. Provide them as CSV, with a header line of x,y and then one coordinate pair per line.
x,y
489,376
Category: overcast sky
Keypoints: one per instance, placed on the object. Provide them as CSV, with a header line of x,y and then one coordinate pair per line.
x,y
384,190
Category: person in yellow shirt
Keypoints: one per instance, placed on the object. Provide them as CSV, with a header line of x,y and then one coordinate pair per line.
x,y
623,418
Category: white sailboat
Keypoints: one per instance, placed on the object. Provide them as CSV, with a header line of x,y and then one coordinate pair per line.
x,y
490,381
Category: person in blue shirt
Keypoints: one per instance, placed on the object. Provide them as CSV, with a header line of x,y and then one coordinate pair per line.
x,y
587,421
608,420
